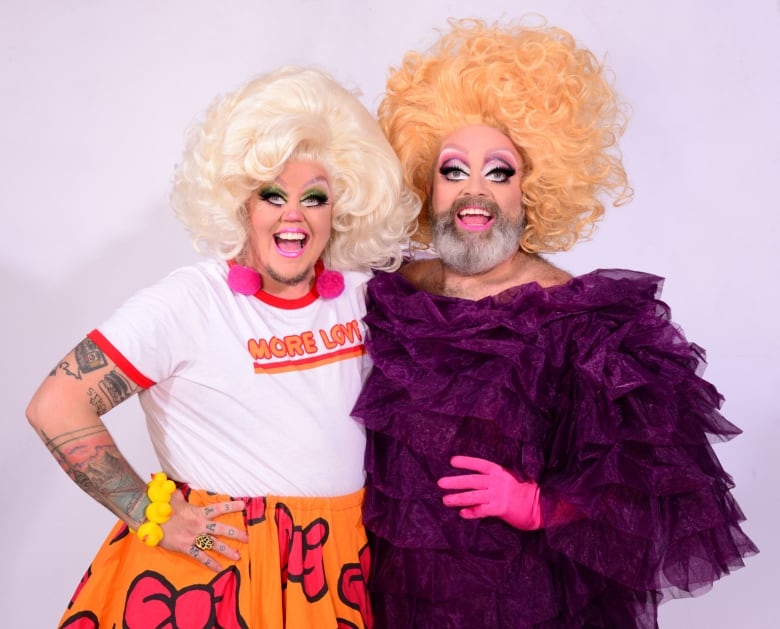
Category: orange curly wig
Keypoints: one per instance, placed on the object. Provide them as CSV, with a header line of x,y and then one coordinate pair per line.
x,y
536,85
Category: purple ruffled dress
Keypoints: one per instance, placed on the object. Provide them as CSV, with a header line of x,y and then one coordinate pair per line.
x,y
586,388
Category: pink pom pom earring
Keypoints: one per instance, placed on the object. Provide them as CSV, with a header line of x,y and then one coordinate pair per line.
x,y
244,280
330,284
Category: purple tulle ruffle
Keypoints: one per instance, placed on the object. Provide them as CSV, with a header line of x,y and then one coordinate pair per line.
x,y
588,389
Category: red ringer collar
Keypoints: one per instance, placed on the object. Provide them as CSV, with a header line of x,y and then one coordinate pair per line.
x,y
290,304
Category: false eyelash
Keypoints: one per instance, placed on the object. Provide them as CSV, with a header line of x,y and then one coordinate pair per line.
x,y
507,171
316,195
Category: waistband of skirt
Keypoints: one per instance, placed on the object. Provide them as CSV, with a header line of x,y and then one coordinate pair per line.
x,y
345,501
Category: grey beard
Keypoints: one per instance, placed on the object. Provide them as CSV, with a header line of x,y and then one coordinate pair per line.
x,y
472,253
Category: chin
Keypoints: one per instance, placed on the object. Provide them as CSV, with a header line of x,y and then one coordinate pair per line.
x,y
470,256
292,278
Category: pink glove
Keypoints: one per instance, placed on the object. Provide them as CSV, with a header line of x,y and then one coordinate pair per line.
x,y
493,491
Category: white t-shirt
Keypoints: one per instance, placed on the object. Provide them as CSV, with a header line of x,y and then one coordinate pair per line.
x,y
246,396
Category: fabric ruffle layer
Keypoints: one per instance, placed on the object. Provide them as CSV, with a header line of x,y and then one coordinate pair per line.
x,y
588,389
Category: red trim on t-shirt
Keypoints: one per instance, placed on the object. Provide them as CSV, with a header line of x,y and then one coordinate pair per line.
x,y
114,354
290,304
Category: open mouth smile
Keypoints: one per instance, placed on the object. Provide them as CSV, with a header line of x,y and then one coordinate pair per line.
x,y
291,243
474,218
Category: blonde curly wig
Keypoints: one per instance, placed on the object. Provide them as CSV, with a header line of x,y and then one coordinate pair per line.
x,y
295,114
551,97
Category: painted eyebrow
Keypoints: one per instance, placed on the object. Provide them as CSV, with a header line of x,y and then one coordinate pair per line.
x,y
504,156
454,151
319,179
448,152
279,181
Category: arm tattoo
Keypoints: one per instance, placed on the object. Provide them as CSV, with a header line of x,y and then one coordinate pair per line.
x,y
88,454
97,401
116,387
65,366
89,356
90,457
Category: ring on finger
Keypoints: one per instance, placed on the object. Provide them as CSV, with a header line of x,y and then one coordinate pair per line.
x,y
203,542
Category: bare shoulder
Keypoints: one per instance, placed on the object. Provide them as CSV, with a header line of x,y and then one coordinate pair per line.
x,y
424,274
547,275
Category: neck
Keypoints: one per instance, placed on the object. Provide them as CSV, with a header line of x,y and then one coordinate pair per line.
x,y
285,290
511,272
276,284
434,277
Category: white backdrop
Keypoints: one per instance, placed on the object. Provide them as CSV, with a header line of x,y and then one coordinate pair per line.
x,y
96,95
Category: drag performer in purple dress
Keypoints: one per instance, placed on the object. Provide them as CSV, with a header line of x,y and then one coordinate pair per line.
x,y
538,444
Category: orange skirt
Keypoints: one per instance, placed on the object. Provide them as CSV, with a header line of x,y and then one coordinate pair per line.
x,y
305,566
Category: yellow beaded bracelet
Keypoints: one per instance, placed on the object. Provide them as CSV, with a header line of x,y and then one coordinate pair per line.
x,y
158,511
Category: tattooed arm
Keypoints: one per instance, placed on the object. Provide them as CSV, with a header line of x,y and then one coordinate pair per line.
x,y
66,413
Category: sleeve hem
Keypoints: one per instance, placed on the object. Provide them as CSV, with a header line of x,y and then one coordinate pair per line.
x,y
123,363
